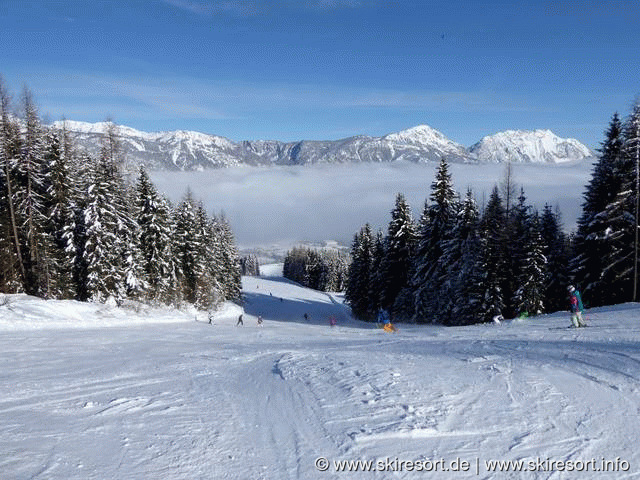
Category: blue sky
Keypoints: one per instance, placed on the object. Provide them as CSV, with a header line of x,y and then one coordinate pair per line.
x,y
327,69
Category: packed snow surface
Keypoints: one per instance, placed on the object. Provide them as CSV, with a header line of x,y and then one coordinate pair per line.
x,y
96,391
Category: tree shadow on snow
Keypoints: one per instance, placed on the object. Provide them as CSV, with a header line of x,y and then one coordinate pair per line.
x,y
293,309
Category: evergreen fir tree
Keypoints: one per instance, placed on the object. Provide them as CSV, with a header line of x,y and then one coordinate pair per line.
x,y
461,256
208,291
517,244
593,240
431,271
250,266
632,150
85,179
103,263
399,248
28,194
378,254
493,259
618,272
109,233
154,241
557,255
186,248
12,267
58,202
529,298
229,272
360,275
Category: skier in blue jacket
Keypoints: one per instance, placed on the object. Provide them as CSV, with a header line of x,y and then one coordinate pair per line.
x,y
576,307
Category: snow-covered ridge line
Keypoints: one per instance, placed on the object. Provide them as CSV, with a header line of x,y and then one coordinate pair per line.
x,y
188,150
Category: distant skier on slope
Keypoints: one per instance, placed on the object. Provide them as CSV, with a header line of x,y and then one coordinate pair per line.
x,y
576,307
383,317
240,322
259,320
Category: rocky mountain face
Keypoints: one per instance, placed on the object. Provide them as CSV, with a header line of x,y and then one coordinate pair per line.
x,y
185,150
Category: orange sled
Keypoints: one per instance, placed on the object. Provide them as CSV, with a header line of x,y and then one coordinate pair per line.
x,y
389,328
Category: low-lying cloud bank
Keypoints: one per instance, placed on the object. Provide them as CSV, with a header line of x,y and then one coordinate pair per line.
x,y
286,205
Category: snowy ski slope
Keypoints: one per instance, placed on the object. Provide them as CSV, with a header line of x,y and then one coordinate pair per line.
x,y
96,392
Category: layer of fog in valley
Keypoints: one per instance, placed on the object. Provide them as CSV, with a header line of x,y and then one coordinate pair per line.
x,y
286,205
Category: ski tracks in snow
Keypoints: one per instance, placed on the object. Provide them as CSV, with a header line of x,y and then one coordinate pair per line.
x,y
194,401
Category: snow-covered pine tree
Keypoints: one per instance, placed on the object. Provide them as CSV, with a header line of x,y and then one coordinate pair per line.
x,y
208,291
249,265
176,277
324,274
508,189
529,298
557,254
133,283
633,150
85,178
230,278
517,244
321,269
293,265
592,242
130,282
152,215
12,271
358,290
111,257
29,190
399,249
313,269
377,258
619,269
461,253
100,222
58,202
186,248
493,241
430,270
340,266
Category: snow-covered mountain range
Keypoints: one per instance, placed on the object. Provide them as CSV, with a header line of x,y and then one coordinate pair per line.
x,y
187,150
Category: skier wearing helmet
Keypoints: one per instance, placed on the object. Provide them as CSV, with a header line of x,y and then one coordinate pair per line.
x,y
576,307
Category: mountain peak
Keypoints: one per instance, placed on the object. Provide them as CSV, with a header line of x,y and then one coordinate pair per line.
x,y
528,146
418,134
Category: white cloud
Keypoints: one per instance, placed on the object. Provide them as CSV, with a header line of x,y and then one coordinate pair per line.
x,y
250,8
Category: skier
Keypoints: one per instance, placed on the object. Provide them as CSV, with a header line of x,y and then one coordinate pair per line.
x,y
240,321
306,316
383,317
576,307
259,320
210,317
332,321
